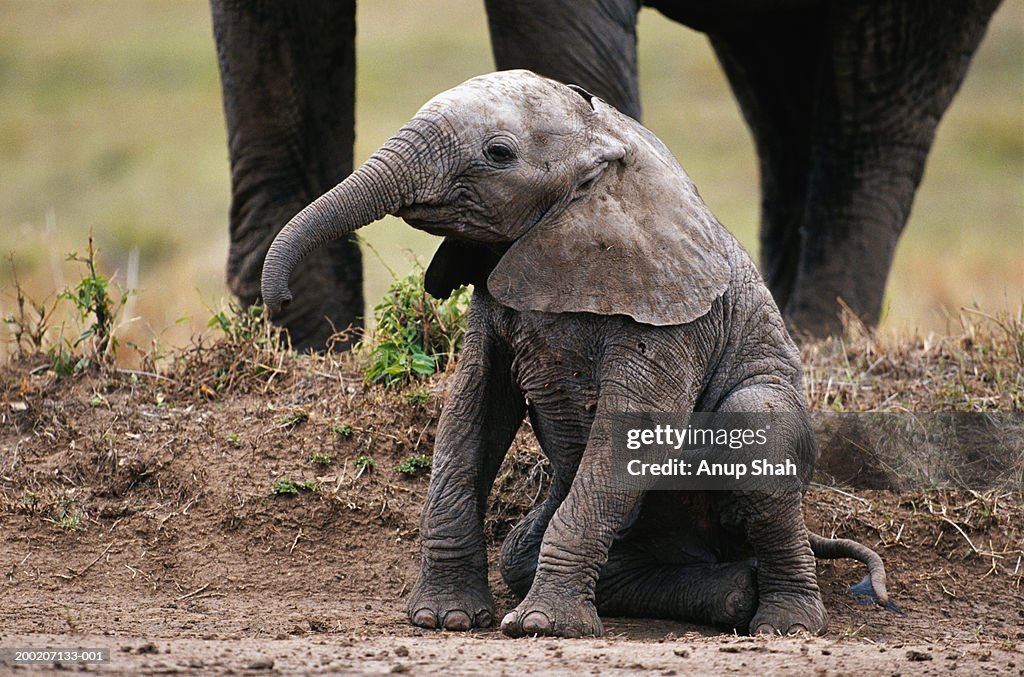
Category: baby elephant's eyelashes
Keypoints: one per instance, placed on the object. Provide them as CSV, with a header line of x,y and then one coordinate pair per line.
x,y
500,152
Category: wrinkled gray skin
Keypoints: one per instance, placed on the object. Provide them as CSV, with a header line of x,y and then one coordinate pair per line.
x,y
602,284
842,98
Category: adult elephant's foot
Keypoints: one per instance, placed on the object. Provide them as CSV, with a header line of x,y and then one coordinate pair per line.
x,y
553,616
789,613
451,607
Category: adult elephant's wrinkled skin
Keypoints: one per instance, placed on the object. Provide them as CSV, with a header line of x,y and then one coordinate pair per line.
x,y
843,100
603,285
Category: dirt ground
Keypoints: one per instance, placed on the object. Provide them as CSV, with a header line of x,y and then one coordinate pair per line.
x,y
138,515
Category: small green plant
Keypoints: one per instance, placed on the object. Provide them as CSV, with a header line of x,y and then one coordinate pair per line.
x,y
92,298
414,464
286,487
246,325
342,430
322,458
417,335
68,519
364,464
292,419
850,632
418,397
234,440
63,362
283,487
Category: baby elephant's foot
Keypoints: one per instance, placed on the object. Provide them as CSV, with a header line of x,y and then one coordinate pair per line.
x,y
788,614
735,598
449,608
552,616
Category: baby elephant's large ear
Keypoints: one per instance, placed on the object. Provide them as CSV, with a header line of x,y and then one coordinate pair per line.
x,y
636,241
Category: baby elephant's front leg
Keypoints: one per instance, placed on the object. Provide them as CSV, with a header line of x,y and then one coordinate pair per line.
x,y
477,425
575,547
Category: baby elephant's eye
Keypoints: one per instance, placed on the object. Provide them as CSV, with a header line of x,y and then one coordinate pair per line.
x,y
500,152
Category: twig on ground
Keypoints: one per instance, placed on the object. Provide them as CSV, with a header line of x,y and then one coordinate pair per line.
x,y
76,574
840,491
193,593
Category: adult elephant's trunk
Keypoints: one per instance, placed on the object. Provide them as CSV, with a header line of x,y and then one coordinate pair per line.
x,y
394,177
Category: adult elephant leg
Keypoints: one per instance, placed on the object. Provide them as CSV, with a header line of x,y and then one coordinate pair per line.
x,y
772,64
591,44
892,71
287,76
479,420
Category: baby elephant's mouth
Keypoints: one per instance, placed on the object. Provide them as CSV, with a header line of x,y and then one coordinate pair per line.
x,y
448,223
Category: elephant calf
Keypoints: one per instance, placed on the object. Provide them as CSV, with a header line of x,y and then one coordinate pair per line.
x,y
603,285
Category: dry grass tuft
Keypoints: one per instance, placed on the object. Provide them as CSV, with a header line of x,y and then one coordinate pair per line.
x,y
978,367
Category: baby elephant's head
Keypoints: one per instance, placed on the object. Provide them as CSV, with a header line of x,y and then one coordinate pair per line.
x,y
592,204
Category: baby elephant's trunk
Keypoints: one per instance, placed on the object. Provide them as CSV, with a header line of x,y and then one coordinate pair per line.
x,y
873,585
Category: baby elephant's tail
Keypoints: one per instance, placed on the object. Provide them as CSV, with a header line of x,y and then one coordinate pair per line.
x,y
873,585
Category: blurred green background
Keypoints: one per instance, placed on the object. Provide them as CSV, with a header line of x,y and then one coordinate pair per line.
x,y
110,121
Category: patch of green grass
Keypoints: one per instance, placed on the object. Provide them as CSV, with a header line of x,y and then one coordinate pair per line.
x,y
288,487
68,519
418,397
416,335
292,419
413,465
96,307
322,458
245,325
342,430
364,464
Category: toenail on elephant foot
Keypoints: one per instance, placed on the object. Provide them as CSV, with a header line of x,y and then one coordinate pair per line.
x,y
739,608
424,618
767,629
536,623
572,618
789,615
434,608
455,619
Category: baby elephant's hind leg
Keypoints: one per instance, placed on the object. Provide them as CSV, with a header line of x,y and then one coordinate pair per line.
x,y
788,596
721,594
